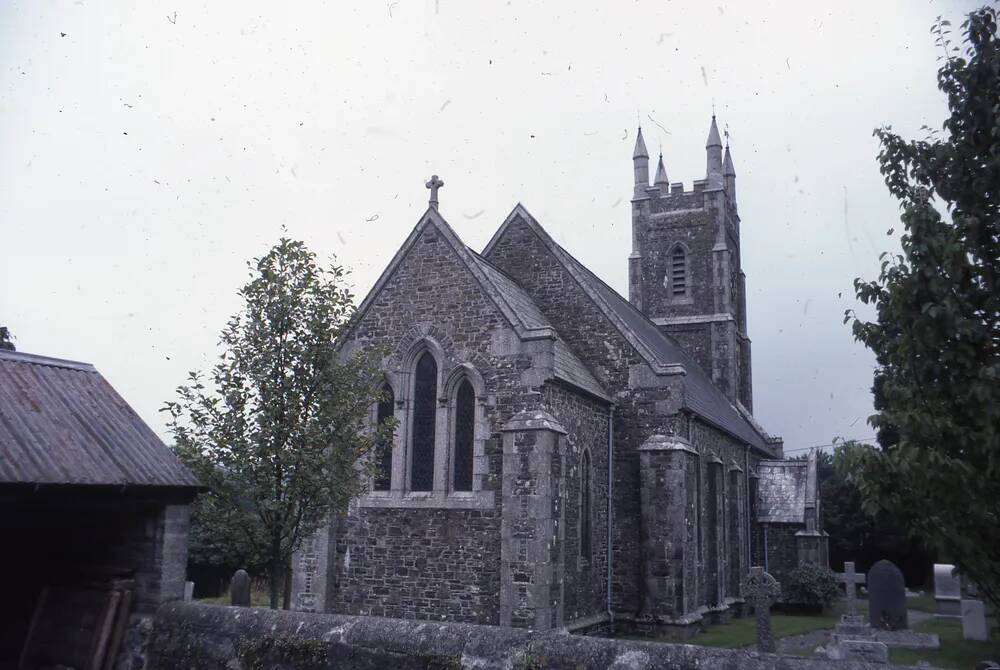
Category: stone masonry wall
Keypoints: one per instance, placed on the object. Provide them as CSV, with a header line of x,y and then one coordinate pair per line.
x,y
731,548
432,562
640,411
585,576
419,563
203,637
782,553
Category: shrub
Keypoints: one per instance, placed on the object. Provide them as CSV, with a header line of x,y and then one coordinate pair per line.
x,y
811,584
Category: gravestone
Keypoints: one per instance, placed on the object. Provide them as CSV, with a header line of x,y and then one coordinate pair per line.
x,y
760,590
853,639
849,578
974,620
886,597
947,590
239,589
188,591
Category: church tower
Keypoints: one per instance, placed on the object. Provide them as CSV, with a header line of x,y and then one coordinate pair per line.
x,y
684,270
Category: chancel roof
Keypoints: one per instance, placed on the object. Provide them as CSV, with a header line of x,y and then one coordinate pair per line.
x,y
701,396
61,422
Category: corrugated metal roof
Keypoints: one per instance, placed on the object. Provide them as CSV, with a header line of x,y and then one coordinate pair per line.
x,y
782,491
62,423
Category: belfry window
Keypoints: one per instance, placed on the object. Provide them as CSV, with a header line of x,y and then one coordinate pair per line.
x,y
585,511
678,272
383,455
424,420
465,422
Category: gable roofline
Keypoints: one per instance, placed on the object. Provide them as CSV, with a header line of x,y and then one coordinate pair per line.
x,y
694,395
431,217
38,359
580,377
572,266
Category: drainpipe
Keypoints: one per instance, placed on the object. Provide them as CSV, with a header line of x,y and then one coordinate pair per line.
x,y
765,549
746,483
611,427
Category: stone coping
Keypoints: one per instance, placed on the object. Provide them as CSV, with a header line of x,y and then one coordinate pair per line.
x,y
214,637
667,443
429,500
533,420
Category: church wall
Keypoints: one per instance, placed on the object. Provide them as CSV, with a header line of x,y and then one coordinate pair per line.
x,y
645,404
730,513
781,548
439,559
585,576
419,564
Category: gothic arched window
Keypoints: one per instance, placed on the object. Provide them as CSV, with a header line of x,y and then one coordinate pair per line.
x,y
678,272
465,432
424,420
585,511
383,456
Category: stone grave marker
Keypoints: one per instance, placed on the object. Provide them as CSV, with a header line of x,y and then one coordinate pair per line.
x,y
188,591
239,589
974,620
850,579
886,597
760,590
853,639
947,590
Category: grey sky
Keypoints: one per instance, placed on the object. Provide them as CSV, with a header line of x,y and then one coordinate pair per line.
x,y
153,149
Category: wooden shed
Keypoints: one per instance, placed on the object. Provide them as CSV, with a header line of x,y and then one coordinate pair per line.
x,y
94,512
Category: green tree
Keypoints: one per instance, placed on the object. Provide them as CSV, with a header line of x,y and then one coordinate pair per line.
x,y
278,431
6,339
855,534
936,337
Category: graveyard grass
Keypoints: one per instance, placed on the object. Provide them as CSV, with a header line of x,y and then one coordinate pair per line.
x,y
742,632
955,652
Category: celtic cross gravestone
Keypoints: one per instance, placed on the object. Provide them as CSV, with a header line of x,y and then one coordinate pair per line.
x,y
760,590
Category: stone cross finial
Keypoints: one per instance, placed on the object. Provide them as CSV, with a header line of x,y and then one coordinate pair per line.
x,y
434,184
760,590
849,578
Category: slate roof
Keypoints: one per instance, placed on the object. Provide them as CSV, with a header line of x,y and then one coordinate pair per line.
x,y
511,300
524,307
782,491
62,423
566,365
701,395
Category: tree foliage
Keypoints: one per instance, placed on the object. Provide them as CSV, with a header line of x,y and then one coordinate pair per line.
x,y
810,584
6,339
936,336
860,535
277,431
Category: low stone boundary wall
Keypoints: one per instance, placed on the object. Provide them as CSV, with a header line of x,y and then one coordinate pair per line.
x,y
210,637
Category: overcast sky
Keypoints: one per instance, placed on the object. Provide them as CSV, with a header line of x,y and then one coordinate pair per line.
x,y
148,150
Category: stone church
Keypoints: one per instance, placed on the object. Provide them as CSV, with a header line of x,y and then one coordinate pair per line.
x,y
565,457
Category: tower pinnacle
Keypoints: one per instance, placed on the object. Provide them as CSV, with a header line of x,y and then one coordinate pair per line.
x,y
640,146
713,149
661,175
640,165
